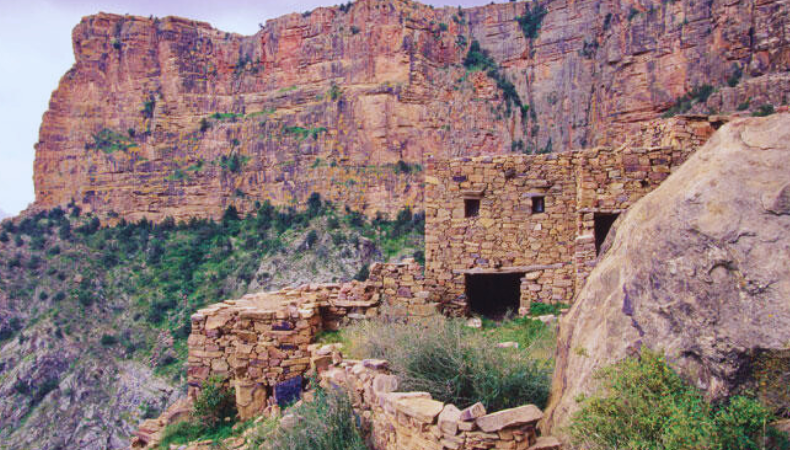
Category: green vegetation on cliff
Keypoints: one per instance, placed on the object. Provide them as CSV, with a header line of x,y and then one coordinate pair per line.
x,y
91,300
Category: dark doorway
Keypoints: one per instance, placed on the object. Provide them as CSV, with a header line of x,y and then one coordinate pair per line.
x,y
494,295
603,223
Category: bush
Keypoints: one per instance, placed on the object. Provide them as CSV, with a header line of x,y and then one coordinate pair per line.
x,y
327,423
453,362
642,403
215,403
312,238
363,273
532,20
108,340
764,111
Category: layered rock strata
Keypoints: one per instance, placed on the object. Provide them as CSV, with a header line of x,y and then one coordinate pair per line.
x,y
170,117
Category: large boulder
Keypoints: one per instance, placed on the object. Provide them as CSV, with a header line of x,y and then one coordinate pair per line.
x,y
700,269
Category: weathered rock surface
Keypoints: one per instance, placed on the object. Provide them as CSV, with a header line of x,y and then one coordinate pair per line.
x,y
331,101
523,415
698,269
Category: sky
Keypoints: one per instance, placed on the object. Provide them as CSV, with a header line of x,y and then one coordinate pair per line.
x,y
35,51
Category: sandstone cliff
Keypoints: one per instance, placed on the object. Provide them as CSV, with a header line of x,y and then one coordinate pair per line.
x,y
171,117
697,269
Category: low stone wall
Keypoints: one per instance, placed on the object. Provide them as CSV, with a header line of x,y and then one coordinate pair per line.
x,y
258,343
261,342
414,421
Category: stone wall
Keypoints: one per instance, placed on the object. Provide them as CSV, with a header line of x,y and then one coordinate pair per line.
x,y
262,341
536,212
414,421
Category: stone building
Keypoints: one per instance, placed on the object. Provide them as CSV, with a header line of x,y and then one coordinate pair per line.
x,y
505,231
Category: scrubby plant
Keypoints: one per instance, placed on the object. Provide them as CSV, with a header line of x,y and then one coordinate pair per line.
x,y
764,111
109,141
453,362
532,20
215,404
327,423
641,403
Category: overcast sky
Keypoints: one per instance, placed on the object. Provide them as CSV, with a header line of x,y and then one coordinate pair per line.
x,y
35,51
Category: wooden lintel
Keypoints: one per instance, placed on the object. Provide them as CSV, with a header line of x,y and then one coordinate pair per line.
x,y
507,270
473,194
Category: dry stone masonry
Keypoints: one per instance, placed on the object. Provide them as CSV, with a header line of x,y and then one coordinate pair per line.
x,y
534,222
261,342
415,421
538,222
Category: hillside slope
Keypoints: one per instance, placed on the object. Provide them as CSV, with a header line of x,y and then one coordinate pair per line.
x,y
94,321
170,117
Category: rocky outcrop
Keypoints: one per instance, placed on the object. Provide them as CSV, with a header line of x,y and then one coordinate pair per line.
x,y
697,268
170,117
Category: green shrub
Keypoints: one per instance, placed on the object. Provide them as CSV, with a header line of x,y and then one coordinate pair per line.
x,y
363,273
312,238
765,110
642,403
453,362
109,141
735,76
697,95
532,20
327,423
108,340
215,403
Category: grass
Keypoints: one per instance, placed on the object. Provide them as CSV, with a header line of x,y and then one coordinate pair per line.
x,y
327,423
530,334
457,364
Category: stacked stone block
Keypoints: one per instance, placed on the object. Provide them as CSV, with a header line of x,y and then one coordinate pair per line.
x,y
263,340
415,421
553,245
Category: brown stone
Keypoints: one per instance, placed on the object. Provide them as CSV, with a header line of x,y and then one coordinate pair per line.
x,y
522,415
449,418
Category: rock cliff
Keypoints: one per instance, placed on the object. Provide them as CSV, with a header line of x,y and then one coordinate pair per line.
x,y
696,269
170,117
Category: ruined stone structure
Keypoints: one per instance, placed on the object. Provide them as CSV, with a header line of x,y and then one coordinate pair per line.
x,y
414,421
505,231
261,341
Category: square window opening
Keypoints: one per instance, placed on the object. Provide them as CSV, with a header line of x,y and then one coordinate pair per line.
x,y
471,207
538,205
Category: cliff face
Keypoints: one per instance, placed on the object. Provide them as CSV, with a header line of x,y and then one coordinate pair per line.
x,y
171,117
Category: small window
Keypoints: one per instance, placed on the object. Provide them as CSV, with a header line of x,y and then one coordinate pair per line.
x,y
471,207
538,205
